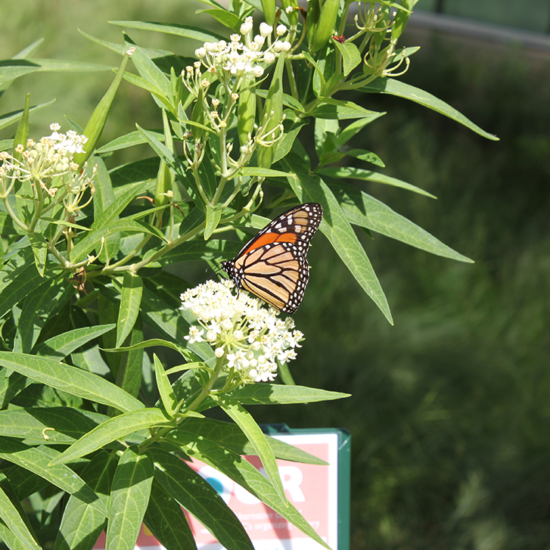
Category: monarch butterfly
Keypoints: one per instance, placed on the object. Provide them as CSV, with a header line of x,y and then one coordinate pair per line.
x,y
273,264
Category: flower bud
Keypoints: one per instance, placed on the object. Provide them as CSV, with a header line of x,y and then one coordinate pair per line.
x,y
269,57
265,29
200,52
281,29
257,71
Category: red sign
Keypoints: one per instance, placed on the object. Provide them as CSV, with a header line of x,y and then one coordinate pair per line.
x,y
311,489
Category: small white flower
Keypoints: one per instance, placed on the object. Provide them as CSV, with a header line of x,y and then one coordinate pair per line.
x,y
289,9
278,46
259,39
257,71
200,52
195,335
269,57
219,352
286,46
281,29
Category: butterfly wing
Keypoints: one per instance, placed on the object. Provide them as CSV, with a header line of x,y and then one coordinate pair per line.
x,y
273,264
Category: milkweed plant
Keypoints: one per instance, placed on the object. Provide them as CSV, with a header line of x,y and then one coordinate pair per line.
x,y
89,420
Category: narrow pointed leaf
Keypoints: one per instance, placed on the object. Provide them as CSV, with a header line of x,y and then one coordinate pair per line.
x,y
230,436
97,121
166,392
366,211
37,460
199,499
406,91
111,430
12,117
247,476
129,140
81,523
258,440
194,33
58,347
368,175
310,188
48,425
129,500
25,280
130,301
165,519
14,522
213,217
38,307
70,379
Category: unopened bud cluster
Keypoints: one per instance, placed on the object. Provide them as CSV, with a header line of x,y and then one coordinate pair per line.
x,y
249,338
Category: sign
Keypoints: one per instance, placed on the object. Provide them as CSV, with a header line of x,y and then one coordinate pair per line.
x,y
320,493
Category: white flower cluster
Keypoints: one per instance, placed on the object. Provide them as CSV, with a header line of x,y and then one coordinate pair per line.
x,y
48,159
250,338
244,54
66,144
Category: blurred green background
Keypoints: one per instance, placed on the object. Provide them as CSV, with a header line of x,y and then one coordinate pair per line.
x,y
450,413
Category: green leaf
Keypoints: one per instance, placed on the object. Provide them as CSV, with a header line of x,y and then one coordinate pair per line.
x,y
10,69
258,440
213,217
130,300
245,474
22,132
166,520
274,394
81,524
58,347
194,33
152,74
172,323
230,436
95,125
406,91
41,425
351,56
70,379
368,175
111,430
166,392
128,140
366,211
37,460
199,499
12,117
123,48
109,215
342,110
130,371
26,280
41,304
264,172
310,188
15,523
69,66
129,500
93,239
152,342
226,18
104,197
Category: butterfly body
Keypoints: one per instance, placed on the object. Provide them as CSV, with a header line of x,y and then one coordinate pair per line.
x,y
273,265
